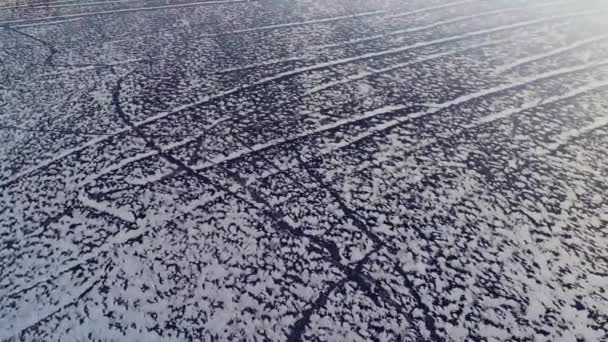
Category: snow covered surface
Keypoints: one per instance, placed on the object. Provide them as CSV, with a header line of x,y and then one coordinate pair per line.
x,y
318,170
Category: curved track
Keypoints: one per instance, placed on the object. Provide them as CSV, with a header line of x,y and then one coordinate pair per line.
x,y
304,170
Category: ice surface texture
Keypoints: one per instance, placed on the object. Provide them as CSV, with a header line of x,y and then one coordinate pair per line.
x,y
304,170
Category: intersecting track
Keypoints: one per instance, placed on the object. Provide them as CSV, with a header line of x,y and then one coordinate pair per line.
x,y
296,72
304,170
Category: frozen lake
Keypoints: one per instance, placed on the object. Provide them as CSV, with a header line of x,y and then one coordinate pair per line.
x,y
304,170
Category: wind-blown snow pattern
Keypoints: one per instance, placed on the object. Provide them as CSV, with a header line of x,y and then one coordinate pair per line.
x,y
304,170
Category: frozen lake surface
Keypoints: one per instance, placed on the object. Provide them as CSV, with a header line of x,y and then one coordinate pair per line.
x,y
304,170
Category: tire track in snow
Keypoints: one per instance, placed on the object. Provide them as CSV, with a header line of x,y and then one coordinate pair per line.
x,y
251,197
299,23
145,155
485,120
565,138
530,105
338,18
78,4
285,75
35,4
429,9
20,326
261,28
400,65
521,82
433,109
241,153
489,119
260,64
508,67
436,24
46,23
122,214
437,108
277,142
124,10
417,45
